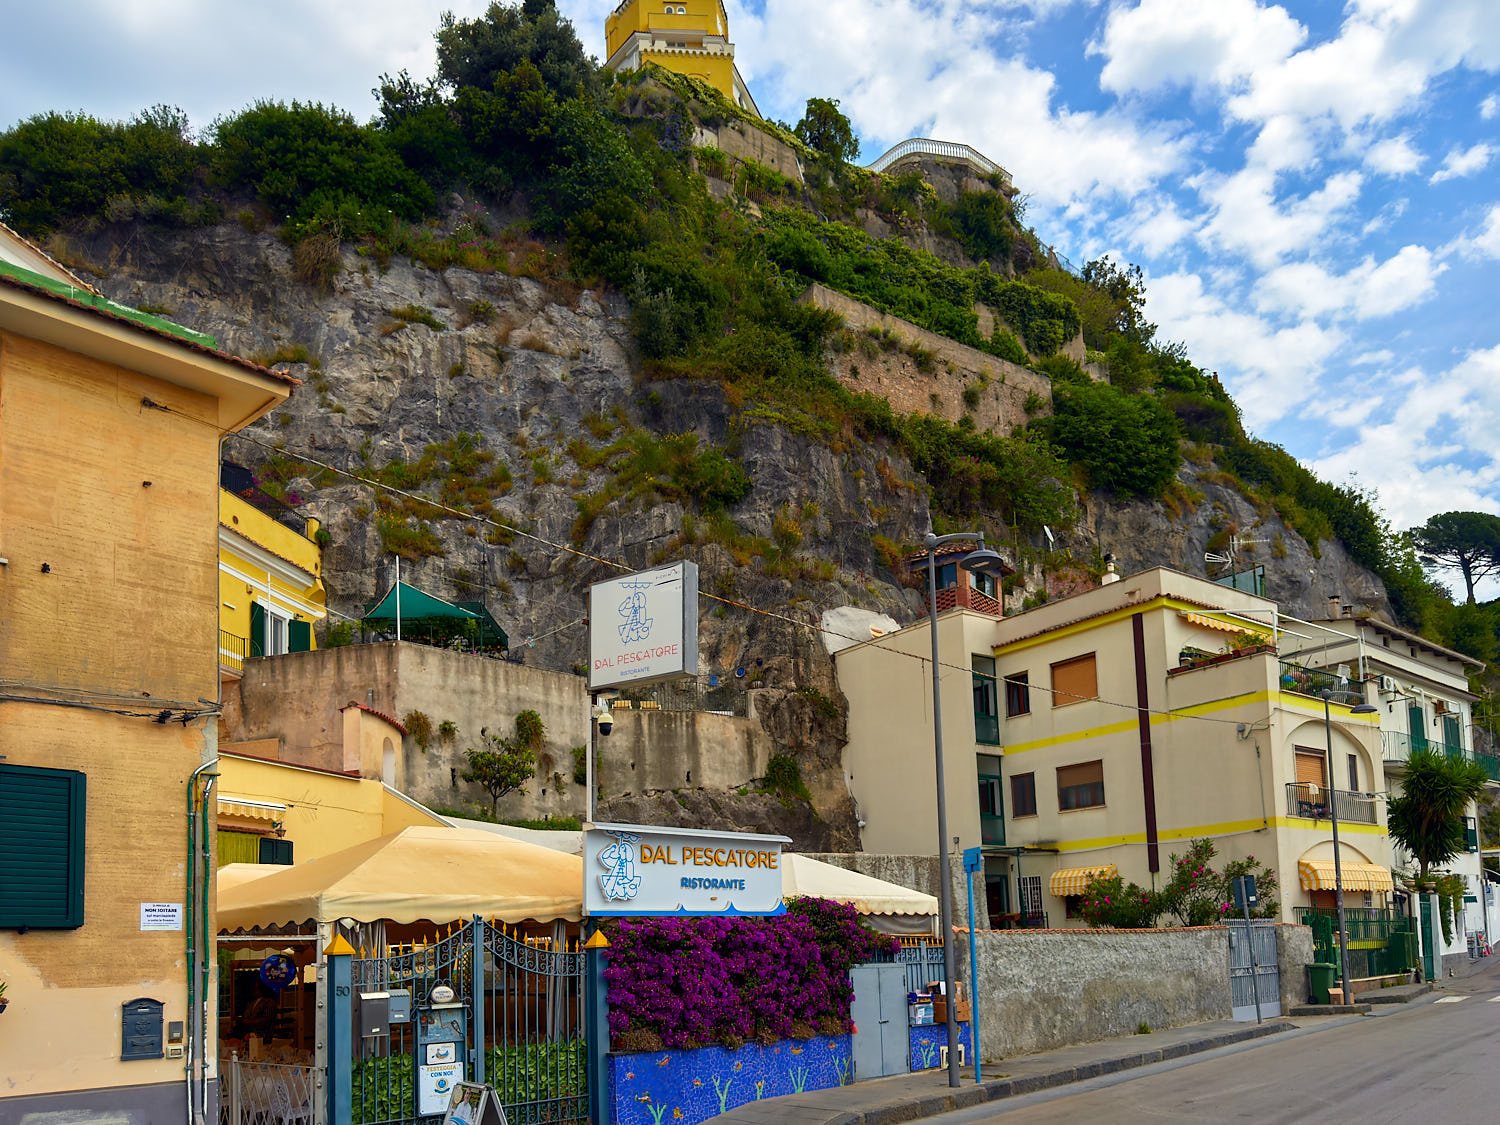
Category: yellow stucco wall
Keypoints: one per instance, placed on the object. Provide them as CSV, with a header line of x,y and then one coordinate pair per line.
x,y
325,812
660,21
706,16
128,607
245,576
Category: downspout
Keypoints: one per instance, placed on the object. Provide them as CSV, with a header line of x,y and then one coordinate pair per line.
x,y
204,926
190,1015
1143,725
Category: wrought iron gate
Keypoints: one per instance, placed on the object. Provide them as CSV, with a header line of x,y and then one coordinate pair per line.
x,y
520,1001
1267,970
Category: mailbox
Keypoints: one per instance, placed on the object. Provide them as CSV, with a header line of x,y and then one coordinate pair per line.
x,y
372,1013
400,1005
442,1050
140,1029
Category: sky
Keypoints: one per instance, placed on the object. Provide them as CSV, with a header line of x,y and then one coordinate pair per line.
x,y
1310,187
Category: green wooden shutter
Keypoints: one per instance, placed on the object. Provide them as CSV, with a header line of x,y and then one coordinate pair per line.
x,y
299,636
1471,834
273,850
1415,723
257,629
42,815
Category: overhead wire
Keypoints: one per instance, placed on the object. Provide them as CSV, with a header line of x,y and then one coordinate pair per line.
x,y
726,601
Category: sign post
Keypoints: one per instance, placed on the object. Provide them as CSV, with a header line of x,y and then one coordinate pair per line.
x,y
973,861
1244,898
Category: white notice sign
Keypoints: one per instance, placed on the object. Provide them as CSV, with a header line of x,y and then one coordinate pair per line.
x,y
161,916
643,628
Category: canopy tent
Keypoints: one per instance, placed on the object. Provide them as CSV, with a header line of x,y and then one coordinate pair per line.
x,y
426,874
428,618
888,907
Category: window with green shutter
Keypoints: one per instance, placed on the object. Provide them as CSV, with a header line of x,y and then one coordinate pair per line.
x,y
257,629
41,847
273,850
299,636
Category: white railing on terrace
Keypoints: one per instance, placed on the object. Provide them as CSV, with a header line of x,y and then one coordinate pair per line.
x,y
926,146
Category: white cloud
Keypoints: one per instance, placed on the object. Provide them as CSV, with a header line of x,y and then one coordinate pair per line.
x,y
1483,243
895,82
1394,156
1463,162
1305,289
1379,358
1156,228
1489,109
1186,42
1249,218
1271,370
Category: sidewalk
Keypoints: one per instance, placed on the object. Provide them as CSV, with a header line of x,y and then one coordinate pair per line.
x,y
884,1101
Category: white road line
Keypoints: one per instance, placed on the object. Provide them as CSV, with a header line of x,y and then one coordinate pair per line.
x,y
1454,999
1493,1000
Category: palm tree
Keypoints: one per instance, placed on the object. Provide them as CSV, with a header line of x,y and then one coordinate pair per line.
x,y
1428,818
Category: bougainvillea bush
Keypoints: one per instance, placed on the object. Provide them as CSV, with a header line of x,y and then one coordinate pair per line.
x,y
690,982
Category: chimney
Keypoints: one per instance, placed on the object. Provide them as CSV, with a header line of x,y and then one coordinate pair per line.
x,y
1110,576
1334,612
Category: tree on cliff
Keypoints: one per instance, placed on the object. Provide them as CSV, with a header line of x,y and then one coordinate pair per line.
x,y
827,131
506,764
1468,542
475,52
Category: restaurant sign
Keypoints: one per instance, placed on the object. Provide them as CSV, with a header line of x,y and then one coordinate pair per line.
x,y
643,628
633,869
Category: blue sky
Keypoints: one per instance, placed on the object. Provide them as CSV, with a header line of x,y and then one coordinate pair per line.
x,y
1310,187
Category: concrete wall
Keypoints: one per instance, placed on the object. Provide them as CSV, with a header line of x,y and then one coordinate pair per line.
x,y
1005,385
1040,989
919,873
1294,952
296,699
742,141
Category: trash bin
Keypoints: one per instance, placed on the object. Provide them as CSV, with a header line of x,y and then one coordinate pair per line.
x,y
1320,978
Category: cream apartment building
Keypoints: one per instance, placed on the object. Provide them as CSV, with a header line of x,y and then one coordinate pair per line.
x,y
1134,718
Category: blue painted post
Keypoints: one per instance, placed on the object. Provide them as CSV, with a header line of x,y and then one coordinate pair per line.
x,y
596,1027
340,984
476,1001
973,861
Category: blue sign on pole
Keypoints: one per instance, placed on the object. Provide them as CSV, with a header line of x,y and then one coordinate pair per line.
x,y
973,861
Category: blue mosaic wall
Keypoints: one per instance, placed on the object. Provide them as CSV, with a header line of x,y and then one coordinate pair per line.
x,y
686,1087
927,1040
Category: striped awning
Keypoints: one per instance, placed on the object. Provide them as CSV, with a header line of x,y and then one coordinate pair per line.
x,y
245,809
1223,626
1072,880
1317,875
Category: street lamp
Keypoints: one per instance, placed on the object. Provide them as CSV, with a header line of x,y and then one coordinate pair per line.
x,y
981,560
1361,708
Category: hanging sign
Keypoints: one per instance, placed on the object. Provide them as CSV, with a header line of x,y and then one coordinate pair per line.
x,y
277,971
474,1105
632,869
643,628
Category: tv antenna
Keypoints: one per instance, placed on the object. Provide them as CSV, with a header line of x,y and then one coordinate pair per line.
x,y
1226,561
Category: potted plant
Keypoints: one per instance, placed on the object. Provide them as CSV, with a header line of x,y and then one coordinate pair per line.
x,y
3,1000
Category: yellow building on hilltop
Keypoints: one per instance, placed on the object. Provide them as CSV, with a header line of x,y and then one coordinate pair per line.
x,y
688,37
270,574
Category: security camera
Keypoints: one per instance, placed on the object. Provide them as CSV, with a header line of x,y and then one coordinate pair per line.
x,y
605,720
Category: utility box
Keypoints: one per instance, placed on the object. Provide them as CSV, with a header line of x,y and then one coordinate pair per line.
x,y
442,1052
372,1014
400,1005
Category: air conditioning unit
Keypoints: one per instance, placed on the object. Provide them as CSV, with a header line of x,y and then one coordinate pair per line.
x,y
1388,684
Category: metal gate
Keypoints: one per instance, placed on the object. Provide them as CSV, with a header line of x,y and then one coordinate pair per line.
x,y
517,1020
1267,972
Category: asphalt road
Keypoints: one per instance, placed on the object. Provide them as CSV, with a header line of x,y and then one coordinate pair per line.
x,y
1434,1061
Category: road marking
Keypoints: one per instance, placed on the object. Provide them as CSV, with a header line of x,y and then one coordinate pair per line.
x,y
1494,1000
1455,999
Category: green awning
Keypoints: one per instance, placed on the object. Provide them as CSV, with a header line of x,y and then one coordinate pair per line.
x,y
490,632
415,606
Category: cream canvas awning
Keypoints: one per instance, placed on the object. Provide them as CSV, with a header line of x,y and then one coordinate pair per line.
x,y
246,809
417,874
811,878
1318,875
1073,880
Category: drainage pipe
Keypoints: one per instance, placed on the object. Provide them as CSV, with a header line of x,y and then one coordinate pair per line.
x,y
190,1014
204,926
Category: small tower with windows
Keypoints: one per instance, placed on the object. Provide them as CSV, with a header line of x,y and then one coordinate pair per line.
x,y
689,37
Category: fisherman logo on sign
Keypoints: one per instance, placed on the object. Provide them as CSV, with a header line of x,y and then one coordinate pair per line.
x,y
621,881
637,625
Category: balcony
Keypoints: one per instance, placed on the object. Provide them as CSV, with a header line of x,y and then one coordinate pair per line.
x,y
1312,681
1399,746
1310,802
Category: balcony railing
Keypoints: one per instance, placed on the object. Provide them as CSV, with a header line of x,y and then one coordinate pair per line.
x,y
1311,681
1399,746
986,729
1310,802
233,650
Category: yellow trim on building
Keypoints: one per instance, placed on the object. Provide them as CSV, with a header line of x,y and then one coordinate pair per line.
x,y
1225,828
1110,618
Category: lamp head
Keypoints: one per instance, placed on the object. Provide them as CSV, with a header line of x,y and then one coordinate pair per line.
x,y
1364,709
982,560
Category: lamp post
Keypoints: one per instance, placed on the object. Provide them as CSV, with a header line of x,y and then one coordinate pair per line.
x,y
1362,708
983,561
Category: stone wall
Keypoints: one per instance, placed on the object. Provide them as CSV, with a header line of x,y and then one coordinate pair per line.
x,y
1040,989
1294,952
1004,390
742,141
919,873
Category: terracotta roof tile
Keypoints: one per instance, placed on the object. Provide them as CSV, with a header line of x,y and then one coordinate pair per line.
x,y
378,714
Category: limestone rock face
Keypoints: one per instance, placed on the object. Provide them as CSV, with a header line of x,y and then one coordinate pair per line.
x,y
397,358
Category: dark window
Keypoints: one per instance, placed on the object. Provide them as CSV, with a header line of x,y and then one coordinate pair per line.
x,y
1354,773
273,850
1017,694
1471,834
1072,906
984,583
947,575
1080,786
1074,680
986,706
1023,795
41,847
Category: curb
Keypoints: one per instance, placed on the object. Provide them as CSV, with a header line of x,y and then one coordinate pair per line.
x,y
1408,994
931,1105
1360,1009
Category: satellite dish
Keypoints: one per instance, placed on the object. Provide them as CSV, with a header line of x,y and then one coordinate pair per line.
x,y
1051,540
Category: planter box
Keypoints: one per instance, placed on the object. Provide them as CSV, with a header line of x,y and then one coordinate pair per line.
x,y
680,1087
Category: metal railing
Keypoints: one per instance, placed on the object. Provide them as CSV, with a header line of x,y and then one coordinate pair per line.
x,y
1311,681
1398,746
251,1093
233,650
950,150
1381,942
1311,802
